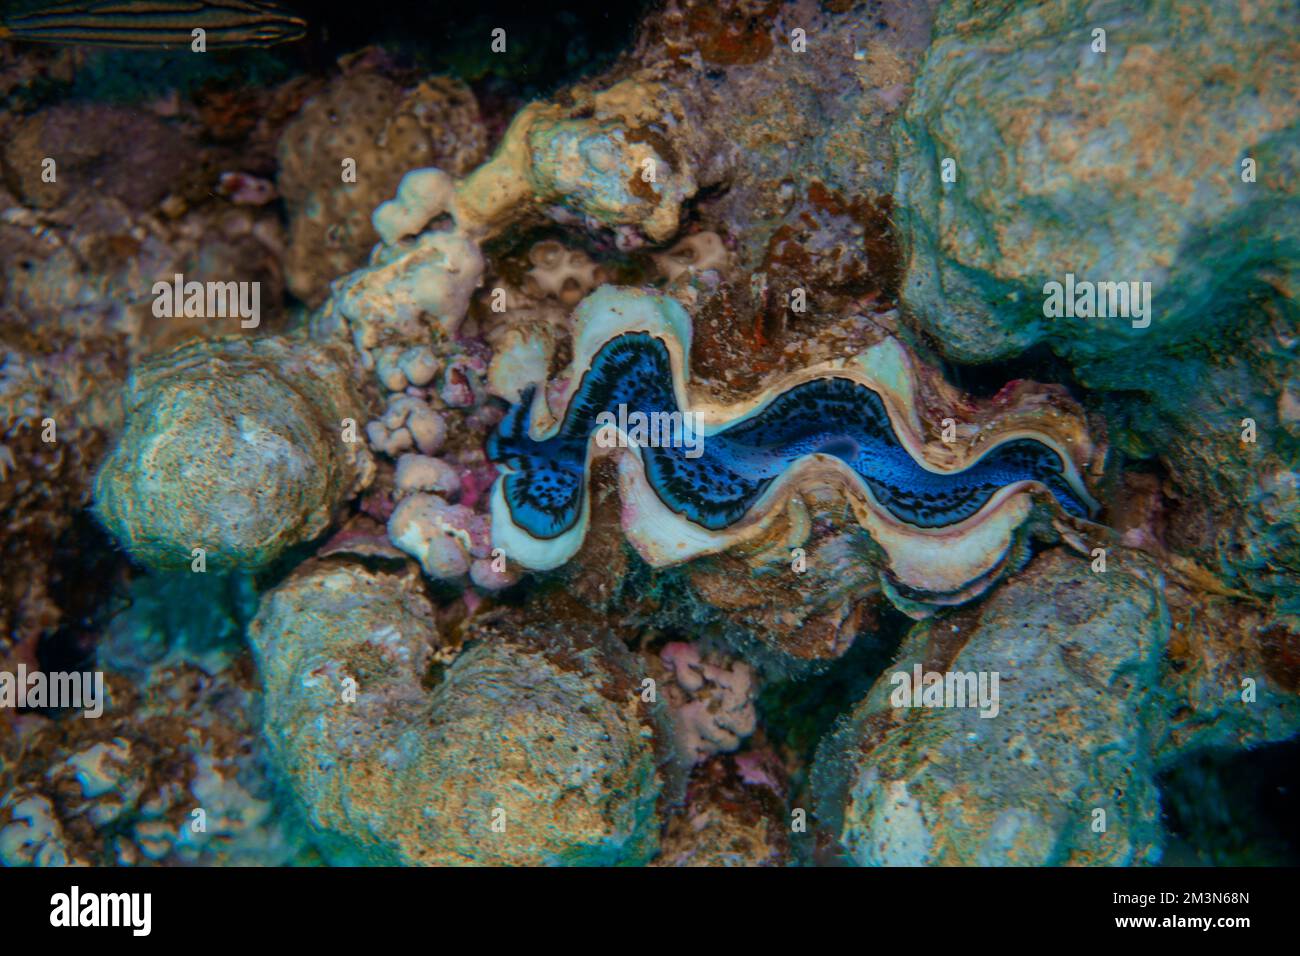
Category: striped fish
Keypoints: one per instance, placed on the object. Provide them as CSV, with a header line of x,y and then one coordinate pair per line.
x,y
157,23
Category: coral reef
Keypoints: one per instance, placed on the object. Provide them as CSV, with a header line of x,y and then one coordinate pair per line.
x,y
1086,703
1115,180
131,199
813,433
55,422
135,158
611,157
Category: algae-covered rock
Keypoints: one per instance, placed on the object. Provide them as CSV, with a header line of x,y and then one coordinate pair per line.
x,y
523,750
1118,165
1049,765
239,448
1221,426
1165,152
1231,676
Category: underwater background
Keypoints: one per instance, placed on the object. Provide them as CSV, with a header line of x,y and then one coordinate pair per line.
x,y
673,433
